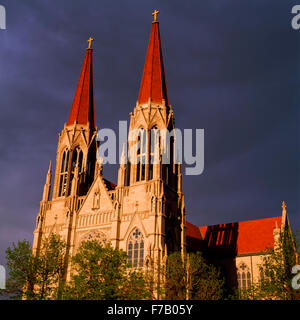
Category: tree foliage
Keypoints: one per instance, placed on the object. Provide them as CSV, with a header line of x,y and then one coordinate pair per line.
x,y
23,268
102,273
192,278
37,276
276,271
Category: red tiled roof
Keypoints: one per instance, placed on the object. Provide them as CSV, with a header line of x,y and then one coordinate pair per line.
x,y
153,83
193,231
246,236
194,240
83,109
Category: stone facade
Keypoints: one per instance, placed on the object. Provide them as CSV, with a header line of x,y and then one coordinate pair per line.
x,y
144,213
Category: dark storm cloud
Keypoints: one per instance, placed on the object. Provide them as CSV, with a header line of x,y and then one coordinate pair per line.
x,y
232,68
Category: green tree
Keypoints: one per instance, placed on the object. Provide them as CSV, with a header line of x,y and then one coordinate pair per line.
x,y
192,278
275,271
38,276
51,261
135,286
22,265
205,280
176,277
102,273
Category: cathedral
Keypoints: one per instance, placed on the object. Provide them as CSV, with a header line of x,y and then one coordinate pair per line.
x,y
144,213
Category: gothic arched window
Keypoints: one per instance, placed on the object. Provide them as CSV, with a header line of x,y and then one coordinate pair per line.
x,y
248,280
154,140
244,283
77,157
169,167
135,249
63,175
239,280
243,277
141,155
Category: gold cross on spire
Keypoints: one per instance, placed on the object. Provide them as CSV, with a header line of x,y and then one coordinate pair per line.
x,y
90,42
155,13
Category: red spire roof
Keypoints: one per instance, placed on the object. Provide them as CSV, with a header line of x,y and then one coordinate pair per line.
x,y
153,83
83,108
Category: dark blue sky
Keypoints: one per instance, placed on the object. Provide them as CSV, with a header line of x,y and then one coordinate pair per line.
x,y
232,68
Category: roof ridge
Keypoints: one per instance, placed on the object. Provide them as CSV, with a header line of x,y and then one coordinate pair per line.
x,y
211,225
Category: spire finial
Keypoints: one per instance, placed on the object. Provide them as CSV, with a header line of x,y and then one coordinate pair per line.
x,y
90,42
155,13
283,205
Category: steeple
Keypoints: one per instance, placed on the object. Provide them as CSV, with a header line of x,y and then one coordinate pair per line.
x,y
83,108
153,85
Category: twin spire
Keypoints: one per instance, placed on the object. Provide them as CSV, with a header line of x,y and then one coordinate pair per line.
x,y
83,107
153,85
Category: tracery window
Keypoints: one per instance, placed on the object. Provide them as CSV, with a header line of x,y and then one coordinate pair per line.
x,y
77,157
63,175
141,155
248,279
100,236
243,277
147,141
169,167
154,139
135,249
